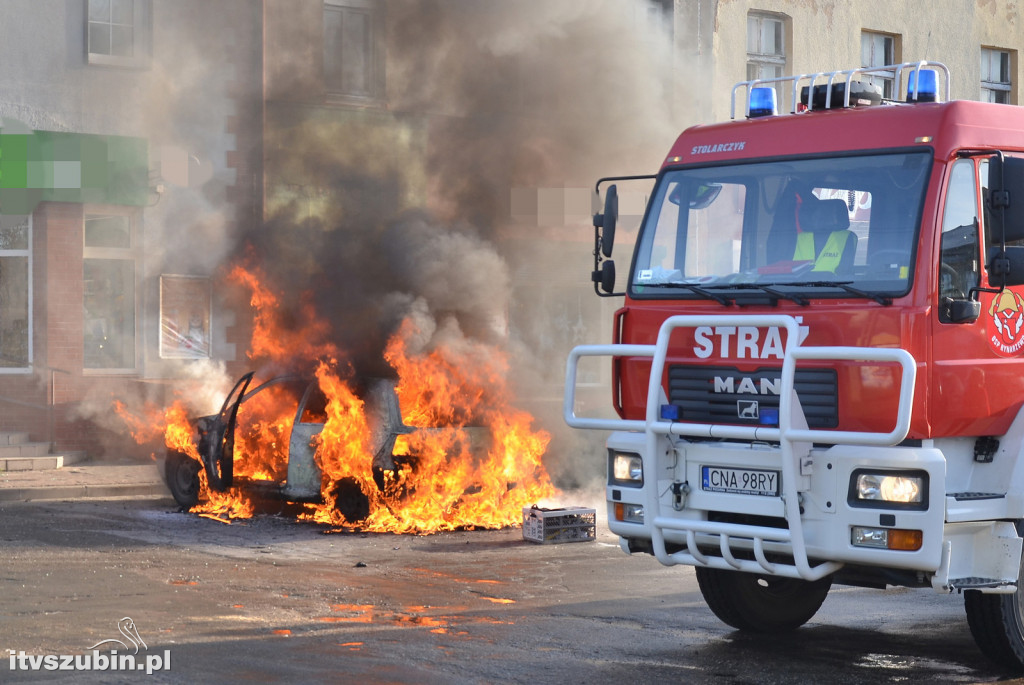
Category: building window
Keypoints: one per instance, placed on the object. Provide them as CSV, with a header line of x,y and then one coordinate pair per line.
x,y
766,46
766,51
652,21
185,306
109,285
879,50
353,46
118,32
995,76
15,293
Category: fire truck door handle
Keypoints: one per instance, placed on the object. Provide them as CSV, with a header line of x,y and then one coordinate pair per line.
x,y
617,385
620,317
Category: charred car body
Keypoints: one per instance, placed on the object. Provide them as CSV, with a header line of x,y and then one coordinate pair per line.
x,y
214,437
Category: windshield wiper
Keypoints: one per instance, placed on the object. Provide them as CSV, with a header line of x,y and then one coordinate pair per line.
x,y
883,300
766,287
699,290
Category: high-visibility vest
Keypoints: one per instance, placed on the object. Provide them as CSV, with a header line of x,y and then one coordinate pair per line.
x,y
831,254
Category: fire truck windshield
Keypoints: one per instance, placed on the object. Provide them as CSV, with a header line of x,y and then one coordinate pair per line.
x,y
835,226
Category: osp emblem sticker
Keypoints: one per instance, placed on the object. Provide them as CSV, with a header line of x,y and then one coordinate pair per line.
x,y
1006,332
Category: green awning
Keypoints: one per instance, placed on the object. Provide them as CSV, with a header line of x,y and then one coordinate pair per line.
x,y
40,166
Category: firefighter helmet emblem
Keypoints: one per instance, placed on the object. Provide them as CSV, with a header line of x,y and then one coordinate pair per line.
x,y
1007,314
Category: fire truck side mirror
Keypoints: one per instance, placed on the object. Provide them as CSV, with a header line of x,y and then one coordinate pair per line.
x,y
1007,266
608,277
607,220
964,311
1006,181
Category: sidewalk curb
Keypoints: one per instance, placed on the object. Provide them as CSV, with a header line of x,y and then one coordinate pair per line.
x,y
60,492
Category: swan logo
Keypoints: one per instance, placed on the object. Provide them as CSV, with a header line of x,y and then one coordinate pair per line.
x,y
126,626
110,659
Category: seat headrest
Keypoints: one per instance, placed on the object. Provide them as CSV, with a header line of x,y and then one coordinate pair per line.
x,y
824,216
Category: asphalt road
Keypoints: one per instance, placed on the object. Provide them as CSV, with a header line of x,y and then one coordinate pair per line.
x,y
271,600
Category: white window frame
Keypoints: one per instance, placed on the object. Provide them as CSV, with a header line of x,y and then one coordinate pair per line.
x,y
132,253
27,254
762,63
757,56
652,21
142,34
996,87
174,339
872,56
374,72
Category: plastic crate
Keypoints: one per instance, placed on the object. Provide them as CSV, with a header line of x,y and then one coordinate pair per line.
x,y
572,524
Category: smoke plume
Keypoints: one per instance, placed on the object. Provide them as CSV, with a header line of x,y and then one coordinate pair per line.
x,y
407,210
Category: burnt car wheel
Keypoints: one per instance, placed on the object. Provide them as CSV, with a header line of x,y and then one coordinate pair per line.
x,y
182,475
350,501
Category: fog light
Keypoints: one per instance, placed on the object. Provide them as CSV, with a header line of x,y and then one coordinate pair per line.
x,y
886,538
870,537
627,469
629,513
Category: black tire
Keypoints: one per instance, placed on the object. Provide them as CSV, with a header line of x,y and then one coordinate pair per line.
x,y
349,500
761,604
182,475
997,624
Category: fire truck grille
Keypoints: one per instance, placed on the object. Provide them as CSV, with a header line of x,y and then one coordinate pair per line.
x,y
723,394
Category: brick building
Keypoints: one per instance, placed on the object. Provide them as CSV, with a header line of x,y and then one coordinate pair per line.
x,y
122,165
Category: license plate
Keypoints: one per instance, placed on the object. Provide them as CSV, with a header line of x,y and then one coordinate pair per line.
x,y
740,481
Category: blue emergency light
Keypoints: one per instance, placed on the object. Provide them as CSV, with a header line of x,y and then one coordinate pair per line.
x,y
769,416
763,102
669,412
922,86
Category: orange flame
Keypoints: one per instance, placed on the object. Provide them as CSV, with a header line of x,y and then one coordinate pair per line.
x,y
471,460
276,341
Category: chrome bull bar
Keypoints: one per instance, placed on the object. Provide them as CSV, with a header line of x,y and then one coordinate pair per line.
x,y
792,434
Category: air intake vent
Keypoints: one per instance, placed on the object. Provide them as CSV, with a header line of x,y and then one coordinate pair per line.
x,y
723,394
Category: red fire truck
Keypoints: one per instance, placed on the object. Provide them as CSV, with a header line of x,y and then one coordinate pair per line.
x,y
818,370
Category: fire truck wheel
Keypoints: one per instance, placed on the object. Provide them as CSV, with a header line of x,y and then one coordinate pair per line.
x,y
182,475
997,624
761,604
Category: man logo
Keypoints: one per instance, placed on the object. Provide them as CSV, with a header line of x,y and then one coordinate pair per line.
x,y
747,409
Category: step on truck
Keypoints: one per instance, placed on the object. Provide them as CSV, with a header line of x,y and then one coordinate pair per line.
x,y
818,369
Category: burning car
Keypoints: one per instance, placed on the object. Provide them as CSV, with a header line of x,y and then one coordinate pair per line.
x,y
438,445
214,436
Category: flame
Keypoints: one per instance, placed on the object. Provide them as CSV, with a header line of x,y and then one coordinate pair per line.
x,y
470,458
303,336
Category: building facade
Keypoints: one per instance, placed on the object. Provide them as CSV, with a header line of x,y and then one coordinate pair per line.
x,y
148,145
122,166
978,41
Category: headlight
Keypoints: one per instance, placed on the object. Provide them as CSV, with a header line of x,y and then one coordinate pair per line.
x,y
889,488
627,469
880,488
